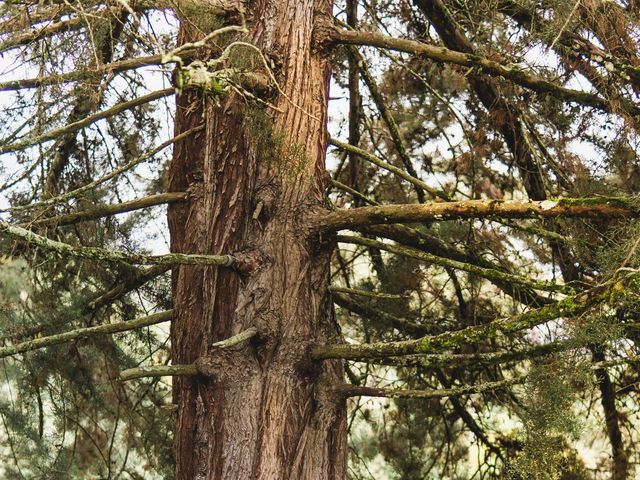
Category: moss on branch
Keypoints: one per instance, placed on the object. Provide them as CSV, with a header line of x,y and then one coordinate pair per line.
x,y
102,254
566,308
591,207
488,273
80,333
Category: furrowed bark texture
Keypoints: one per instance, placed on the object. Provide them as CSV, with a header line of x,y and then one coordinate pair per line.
x,y
257,410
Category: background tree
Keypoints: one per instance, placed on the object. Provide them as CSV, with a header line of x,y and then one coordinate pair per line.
x,y
476,228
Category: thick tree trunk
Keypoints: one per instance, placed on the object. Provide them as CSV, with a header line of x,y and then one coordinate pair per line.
x,y
260,410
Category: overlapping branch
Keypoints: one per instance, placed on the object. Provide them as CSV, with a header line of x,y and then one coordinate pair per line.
x,y
347,390
487,273
114,173
85,122
514,73
568,307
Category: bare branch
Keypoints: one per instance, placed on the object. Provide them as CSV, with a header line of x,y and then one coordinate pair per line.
x,y
236,339
75,126
510,72
86,333
171,370
488,273
595,207
108,210
158,371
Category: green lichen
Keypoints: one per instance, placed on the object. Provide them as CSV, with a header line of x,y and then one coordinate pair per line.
x,y
617,202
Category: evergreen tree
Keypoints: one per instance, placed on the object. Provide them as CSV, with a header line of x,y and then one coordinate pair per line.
x,y
458,178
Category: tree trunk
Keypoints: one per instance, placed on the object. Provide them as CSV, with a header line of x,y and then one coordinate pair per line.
x,y
260,410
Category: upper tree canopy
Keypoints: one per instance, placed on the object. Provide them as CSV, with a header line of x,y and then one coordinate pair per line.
x,y
481,188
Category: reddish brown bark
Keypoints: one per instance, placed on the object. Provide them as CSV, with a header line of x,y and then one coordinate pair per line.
x,y
259,410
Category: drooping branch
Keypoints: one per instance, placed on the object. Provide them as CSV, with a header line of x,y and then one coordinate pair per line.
x,y
511,72
114,173
75,126
125,286
108,210
347,390
428,243
81,333
102,254
387,166
401,324
488,273
568,307
595,207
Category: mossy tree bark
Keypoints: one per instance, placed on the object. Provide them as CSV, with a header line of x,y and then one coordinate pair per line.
x,y
253,175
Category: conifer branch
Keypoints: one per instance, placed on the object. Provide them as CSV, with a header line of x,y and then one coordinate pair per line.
x,y
347,390
114,173
114,209
593,207
90,119
566,308
514,73
102,254
488,273
81,333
